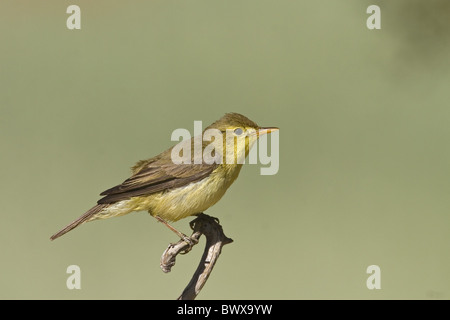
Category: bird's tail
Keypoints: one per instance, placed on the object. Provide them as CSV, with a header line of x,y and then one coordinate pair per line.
x,y
84,218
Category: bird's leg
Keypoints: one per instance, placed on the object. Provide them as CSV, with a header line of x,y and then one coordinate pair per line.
x,y
184,237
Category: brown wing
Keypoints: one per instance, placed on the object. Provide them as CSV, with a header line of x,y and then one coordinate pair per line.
x,y
157,175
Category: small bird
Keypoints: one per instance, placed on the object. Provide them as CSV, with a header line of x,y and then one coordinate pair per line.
x,y
171,191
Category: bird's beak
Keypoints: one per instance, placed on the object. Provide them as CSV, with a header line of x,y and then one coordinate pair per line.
x,y
262,131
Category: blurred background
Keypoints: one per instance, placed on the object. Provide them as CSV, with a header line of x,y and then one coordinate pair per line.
x,y
364,175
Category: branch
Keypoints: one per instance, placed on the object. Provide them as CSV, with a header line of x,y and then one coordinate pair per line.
x,y
215,240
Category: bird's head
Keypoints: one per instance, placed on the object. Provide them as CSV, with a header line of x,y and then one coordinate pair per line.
x,y
239,133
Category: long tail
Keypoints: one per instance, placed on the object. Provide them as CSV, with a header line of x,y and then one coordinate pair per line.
x,y
85,217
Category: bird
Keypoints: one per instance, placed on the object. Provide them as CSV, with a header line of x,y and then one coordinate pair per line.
x,y
170,190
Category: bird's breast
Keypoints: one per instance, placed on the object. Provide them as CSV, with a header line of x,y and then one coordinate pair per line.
x,y
196,197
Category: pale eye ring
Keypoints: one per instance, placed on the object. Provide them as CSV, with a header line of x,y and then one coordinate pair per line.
x,y
238,131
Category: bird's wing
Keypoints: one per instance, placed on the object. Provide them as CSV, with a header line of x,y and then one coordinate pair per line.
x,y
157,176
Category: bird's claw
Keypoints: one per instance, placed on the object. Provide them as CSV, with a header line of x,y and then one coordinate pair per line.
x,y
190,242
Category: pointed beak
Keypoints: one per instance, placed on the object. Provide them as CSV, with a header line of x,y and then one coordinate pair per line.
x,y
262,131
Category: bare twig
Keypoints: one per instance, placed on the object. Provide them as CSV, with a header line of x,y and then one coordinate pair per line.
x,y
215,240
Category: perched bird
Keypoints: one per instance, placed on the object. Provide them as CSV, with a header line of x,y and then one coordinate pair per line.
x,y
171,191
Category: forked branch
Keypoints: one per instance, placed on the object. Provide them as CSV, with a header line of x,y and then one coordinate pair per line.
x,y
215,240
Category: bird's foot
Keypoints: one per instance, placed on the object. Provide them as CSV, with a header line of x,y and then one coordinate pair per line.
x,y
191,242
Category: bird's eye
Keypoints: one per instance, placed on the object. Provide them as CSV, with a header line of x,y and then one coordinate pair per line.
x,y
238,131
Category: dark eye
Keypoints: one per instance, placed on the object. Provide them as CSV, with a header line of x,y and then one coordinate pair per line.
x,y
238,131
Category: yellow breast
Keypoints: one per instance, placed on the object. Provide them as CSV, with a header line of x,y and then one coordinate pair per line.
x,y
181,202
194,198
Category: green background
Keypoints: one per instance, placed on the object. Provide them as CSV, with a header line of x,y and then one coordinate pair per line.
x,y
364,144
